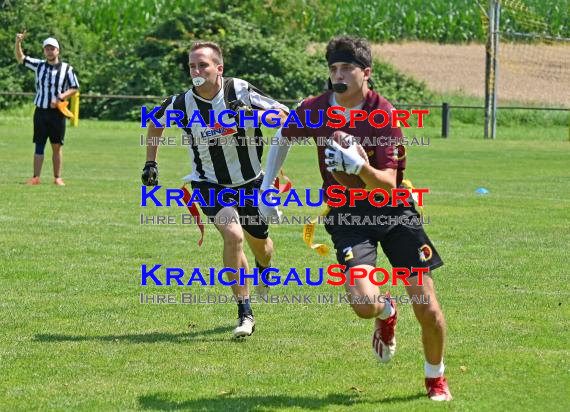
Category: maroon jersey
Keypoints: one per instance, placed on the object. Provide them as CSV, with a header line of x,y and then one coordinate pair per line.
x,y
380,156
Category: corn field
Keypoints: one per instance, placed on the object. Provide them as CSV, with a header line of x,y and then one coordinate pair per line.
x,y
380,21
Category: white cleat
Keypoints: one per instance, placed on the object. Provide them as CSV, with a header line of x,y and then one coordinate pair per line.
x,y
245,326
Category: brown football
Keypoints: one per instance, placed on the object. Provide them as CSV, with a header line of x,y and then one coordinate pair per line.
x,y
349,181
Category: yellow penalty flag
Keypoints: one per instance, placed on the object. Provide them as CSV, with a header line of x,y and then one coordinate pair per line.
x,y
62,107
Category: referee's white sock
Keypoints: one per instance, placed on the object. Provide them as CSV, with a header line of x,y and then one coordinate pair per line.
x,y
434,371
388,310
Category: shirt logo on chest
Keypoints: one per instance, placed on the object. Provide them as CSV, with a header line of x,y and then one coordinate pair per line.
x,y
218,131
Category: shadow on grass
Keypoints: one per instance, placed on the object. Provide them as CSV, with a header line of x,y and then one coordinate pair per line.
x,y
151,337
252,403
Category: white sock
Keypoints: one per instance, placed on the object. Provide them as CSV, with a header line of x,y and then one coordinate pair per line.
x,y
388,310
434,371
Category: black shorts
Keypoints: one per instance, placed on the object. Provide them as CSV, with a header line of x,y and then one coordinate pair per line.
x,y
48,123
252,223
402,236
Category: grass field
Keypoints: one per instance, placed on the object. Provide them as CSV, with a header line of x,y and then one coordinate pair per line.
x,y
75,336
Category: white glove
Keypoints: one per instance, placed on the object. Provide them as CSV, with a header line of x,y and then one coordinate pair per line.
x,y
347,160
266,210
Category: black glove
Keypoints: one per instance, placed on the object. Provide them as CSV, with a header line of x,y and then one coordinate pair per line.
x,y
150,173
237,105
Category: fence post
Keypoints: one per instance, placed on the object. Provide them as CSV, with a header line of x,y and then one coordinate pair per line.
x,y
445,120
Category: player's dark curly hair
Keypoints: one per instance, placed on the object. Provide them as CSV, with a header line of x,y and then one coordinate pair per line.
x,y
359,47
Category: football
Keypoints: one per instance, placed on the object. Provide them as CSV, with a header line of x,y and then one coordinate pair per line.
x,y
349,181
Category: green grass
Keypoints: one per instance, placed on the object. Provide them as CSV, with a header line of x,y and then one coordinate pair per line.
x,y
75,336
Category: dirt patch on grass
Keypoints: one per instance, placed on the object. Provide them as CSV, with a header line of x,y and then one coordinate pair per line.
x,y
536,74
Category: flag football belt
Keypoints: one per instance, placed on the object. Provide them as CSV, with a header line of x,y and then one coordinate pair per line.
x,y
282,187
408,185
309,234
194,211
322,249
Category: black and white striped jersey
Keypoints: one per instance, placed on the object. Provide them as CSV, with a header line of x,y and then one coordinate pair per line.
x,y
224,164
51,80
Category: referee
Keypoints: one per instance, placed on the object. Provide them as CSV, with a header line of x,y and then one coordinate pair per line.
x,y
55,82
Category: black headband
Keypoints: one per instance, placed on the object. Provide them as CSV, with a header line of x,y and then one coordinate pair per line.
x,y
346,57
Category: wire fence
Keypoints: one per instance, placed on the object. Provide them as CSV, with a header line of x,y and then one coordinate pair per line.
x,y
288,101
444,106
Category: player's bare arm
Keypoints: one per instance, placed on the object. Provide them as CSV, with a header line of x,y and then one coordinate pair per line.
x,y
378,179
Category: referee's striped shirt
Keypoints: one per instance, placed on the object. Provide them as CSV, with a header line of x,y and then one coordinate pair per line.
x,y
227,165
51,81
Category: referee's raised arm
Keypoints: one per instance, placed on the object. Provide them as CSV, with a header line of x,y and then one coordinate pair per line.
x,y
18,47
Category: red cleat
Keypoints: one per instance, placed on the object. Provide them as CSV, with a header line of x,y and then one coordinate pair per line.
x,y
437,389
384,339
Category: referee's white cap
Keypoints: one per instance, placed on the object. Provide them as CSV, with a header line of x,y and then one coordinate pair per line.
x,y
50,41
